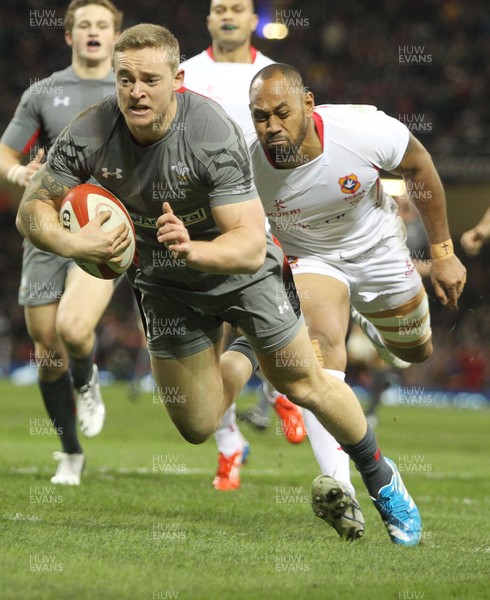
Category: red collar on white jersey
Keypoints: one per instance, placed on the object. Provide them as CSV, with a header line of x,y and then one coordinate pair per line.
x,y
318,126
253,53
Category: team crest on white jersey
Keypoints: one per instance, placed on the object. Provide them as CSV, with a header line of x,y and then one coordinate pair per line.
x,y
181,170
106,173
65,101
349,184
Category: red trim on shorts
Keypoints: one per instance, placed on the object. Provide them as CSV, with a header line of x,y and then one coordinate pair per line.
x,y
253,53
31,141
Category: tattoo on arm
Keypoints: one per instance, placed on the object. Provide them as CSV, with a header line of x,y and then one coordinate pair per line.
x,y
49,188
44,186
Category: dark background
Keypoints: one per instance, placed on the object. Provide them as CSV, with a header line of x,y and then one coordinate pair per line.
x,y
426,62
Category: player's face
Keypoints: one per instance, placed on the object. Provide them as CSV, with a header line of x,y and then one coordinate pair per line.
x,y
145,86
231,22
280,112
93,35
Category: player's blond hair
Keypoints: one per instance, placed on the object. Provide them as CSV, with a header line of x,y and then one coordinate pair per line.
x,y
147,35
74,5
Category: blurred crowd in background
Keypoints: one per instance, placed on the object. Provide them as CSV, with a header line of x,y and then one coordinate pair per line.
x,y
426,62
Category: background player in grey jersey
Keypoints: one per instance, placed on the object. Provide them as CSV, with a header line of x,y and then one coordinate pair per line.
x,y
62,303
209,262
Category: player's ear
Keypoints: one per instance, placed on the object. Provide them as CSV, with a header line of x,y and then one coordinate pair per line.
x,y
178,79
254,22
68,38
309,103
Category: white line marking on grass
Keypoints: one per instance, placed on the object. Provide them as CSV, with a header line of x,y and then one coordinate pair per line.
x,y
20,517
104,470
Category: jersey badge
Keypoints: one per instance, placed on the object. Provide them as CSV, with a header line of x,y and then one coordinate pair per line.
x,y
181,170
349,184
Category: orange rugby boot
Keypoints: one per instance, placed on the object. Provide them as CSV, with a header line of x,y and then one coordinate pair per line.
x,y
228,474
292,423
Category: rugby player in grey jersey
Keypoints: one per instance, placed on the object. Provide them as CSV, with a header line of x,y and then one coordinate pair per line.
x,y
62,303
204,261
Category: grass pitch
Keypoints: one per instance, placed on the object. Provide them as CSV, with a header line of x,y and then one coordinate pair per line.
x,y
146,523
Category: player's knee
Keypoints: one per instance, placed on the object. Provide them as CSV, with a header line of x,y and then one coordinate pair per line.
x,y
195,434
74,330
331,341
302,392
44,338
331,355
415,354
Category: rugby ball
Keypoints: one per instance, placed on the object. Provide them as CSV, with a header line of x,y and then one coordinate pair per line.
x,y
82,204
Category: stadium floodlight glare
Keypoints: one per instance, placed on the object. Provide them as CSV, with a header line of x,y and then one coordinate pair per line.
x,y
275,31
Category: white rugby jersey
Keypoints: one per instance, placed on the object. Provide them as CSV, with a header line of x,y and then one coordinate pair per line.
x,y
335,204
226,83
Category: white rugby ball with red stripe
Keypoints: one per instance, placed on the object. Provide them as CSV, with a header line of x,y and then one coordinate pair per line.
x,y
81,205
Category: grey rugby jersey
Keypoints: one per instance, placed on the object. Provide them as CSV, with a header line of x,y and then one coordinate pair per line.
x,y
49,104
200,163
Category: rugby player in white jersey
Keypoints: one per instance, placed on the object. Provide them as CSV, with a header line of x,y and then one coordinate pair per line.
x,y
62,303
223,72
317,173
218,262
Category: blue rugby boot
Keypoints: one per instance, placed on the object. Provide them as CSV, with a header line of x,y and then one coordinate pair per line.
x,y
398,511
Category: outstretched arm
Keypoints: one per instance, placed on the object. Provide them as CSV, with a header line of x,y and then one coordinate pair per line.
x,y
424,188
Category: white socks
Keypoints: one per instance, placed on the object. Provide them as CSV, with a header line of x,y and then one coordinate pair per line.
x,y
331,458
228,437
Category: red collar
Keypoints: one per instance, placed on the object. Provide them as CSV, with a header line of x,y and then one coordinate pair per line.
x,y
318,126
253,53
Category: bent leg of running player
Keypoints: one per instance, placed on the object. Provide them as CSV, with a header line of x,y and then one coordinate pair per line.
x,y
56,388
200,401
83,302
325,305
405,329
